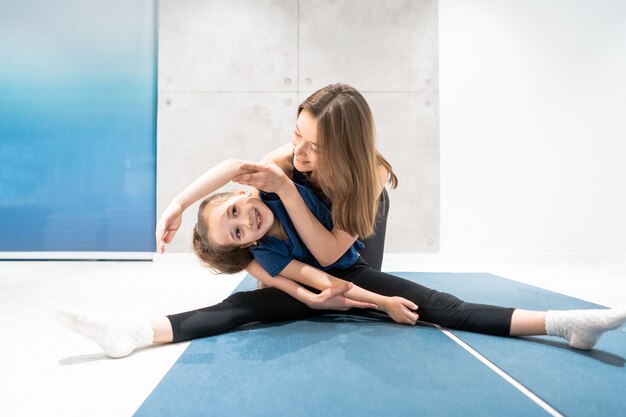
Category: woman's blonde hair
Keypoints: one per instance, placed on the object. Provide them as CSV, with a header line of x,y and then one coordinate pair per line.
x,y
222,259
349,159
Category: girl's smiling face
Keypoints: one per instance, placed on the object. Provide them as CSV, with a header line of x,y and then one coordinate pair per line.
x,y
306,147
239,220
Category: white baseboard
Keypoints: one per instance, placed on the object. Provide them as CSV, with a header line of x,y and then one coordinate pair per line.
x,y
506,257
389,257
78,256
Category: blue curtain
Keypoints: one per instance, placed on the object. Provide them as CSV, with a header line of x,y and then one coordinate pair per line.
x,y
78,90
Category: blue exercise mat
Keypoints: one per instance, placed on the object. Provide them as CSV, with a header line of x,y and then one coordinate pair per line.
x,y
339,365
334,365
576,383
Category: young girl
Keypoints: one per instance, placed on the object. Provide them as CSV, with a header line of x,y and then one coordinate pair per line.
x,y
234,226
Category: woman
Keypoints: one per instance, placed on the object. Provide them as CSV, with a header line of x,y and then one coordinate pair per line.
x,y
333,152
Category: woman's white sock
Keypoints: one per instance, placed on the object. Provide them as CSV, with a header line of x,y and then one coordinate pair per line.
x,y
117,336
583,328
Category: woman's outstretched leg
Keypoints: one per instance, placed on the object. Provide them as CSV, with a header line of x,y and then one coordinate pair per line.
x,y
434,306
581,328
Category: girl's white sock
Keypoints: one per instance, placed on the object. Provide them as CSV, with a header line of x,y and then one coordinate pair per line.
x,y
583,328
117,336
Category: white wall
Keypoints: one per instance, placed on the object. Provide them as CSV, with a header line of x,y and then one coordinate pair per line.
x,y
533,126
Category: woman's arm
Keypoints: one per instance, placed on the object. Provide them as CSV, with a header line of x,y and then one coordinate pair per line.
x,y
274,175
283,157
399,309
331,298
326,246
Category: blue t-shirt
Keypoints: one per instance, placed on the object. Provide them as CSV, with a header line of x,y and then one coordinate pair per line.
x,y
274,254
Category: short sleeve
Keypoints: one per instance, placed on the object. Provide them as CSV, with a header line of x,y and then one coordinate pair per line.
x,y
273,256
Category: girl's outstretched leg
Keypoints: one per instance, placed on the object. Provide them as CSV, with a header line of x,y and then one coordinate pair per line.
x,y
162,330
266,305
117,336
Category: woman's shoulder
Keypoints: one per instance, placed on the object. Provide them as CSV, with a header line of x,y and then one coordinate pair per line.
x,y
283,157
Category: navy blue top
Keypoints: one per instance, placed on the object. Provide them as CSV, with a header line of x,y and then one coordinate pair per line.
x,y
274,254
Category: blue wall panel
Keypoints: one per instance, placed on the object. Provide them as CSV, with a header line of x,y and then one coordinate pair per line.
x,y
77,125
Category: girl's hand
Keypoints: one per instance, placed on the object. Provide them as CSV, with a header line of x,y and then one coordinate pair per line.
x,y
266,176
168,225
334,299
400,310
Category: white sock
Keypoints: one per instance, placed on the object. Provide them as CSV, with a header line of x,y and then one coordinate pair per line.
x,y
583,328
117,336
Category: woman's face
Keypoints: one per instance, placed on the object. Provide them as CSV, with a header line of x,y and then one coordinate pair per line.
x,y
305,145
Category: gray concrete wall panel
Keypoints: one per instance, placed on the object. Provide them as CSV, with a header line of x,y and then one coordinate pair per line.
x,y
231,74
408,136
378,45
234,45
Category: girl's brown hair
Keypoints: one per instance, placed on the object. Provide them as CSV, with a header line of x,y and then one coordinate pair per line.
x,y
349,158
222,259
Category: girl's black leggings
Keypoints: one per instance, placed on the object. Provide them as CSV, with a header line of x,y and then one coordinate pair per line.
x,y
272,305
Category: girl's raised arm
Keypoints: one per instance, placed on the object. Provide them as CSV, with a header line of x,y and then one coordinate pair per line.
x,y
210,181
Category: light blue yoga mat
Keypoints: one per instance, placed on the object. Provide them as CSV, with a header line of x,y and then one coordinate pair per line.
x,y
576,383
344,365
332,366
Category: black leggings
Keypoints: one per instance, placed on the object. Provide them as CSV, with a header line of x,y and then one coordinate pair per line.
x,y
375,244
271,305
434,307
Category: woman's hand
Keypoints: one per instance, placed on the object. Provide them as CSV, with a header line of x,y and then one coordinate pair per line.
x,y
266,176
400,310
168,225
333,298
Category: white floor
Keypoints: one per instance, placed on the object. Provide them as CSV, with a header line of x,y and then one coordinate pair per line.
x,y
47,370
